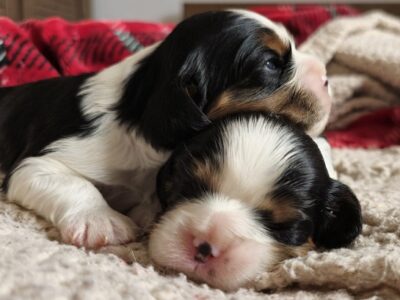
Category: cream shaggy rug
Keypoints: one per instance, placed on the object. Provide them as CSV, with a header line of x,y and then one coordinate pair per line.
x,y
34,265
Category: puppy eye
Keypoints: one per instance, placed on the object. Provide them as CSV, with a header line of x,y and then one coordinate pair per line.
x,y
272,64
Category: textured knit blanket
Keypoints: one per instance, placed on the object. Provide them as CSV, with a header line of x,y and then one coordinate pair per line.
x,y
363,61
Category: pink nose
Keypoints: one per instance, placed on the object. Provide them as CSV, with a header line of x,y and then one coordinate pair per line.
x,y
311,70
311,73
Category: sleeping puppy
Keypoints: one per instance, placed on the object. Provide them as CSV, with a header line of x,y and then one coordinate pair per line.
x,y
81,150
245,193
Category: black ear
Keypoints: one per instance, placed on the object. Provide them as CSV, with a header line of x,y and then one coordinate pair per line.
x,y
163,101
172,116
174,111
339,222
166,184
172,177
294,233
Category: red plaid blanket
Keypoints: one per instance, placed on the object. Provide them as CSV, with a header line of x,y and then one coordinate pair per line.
x,y
303,20
36,50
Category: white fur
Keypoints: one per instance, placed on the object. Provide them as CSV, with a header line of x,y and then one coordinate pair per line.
x,y
102,90
69,201
326,152
257,153
241,248
61,185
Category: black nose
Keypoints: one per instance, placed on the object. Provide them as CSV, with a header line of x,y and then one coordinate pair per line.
x,y
203,252
326,82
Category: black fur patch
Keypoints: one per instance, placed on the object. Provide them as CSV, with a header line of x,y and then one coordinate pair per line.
x,y
34,115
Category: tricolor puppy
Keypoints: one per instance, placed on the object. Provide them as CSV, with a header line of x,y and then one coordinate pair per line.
x,y
245,193
81,150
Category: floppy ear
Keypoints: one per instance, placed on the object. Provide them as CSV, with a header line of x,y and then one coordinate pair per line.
x,y
171,178
172,116
163,101
339,221
166,184
294,233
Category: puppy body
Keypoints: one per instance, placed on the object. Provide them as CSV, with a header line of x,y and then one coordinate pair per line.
x,y
69,144
63,183
252,189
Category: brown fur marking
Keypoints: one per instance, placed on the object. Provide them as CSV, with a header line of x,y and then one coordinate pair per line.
x,y
272,41
283,252
299,106
207,173
281,210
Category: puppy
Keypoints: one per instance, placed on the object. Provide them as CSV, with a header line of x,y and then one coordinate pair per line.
x,y
81,150
247,192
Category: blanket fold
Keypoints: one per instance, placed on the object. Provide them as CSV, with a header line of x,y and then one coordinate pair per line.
x,y
363,62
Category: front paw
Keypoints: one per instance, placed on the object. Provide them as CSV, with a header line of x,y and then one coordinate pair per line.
x,y
96,228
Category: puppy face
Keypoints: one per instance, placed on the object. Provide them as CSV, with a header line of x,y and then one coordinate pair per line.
x,y
244,194
271,75
219,63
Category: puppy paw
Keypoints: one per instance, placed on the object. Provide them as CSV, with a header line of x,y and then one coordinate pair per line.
x,y
97,228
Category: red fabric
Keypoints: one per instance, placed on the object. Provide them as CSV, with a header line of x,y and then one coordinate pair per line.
x,y
303,20
376,130
37,50
20,61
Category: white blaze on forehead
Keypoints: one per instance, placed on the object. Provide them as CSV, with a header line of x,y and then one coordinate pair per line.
x,y
257,152
279,29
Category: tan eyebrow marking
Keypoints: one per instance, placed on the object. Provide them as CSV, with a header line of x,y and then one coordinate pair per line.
x,y
286,251
272,41
281,210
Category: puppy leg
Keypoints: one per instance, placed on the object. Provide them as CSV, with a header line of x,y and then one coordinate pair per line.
x,y
326,152
70,202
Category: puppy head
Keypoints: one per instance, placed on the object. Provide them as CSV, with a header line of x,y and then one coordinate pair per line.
x,y
273,76
339,222
237,199
218,63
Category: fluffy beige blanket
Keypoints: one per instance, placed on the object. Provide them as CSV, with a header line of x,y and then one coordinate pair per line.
x,y
363,61
34,265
